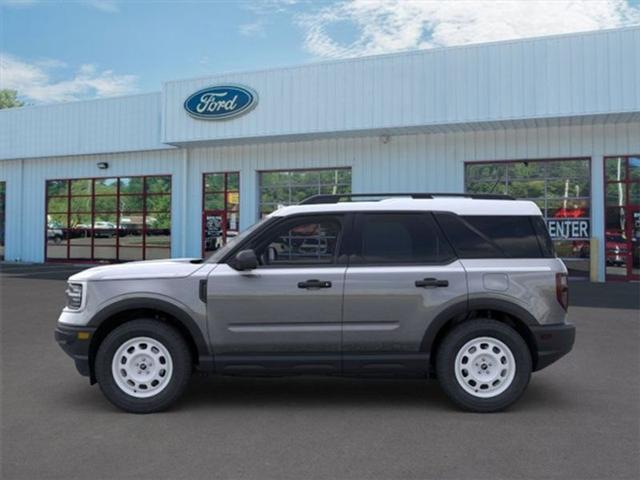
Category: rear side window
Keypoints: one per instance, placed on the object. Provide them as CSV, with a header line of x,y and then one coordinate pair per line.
x,y
546,244
468,242
496,236
400,238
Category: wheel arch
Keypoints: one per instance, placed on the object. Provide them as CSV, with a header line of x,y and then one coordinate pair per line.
x,y
123,311
503,311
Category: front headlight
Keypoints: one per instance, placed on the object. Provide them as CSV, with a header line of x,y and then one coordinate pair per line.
x,y
74,296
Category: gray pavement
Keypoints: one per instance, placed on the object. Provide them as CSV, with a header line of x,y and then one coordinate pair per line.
x,y
580,418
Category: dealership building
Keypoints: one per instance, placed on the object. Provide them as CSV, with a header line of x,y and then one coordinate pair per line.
x,y
177,172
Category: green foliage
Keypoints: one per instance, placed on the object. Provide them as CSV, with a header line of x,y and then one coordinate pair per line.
x,y
9,99
291,187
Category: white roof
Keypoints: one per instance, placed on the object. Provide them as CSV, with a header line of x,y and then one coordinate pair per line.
x,y
461,206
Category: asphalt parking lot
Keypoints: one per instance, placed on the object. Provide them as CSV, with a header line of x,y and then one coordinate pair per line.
x,y
580,418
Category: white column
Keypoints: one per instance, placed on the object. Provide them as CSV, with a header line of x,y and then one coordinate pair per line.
x,y
597,210
185,201
249,197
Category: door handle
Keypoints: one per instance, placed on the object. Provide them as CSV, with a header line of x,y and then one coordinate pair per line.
x,y
313,284
431,283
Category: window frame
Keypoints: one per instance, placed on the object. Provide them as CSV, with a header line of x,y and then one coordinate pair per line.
x,y
627,207
560,244
118,213
355,244
225,191
507,162
289,185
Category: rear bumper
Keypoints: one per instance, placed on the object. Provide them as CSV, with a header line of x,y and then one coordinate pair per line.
x,y
75,345
553,342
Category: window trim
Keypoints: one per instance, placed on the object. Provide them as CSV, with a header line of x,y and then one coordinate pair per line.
x,y
355,253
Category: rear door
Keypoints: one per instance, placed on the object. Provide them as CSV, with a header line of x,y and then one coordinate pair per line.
x,y
402,273
287,313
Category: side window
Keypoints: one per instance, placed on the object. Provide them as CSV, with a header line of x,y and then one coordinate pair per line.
x,y
469,243
397,238
546,244
514,235
305,241
492,236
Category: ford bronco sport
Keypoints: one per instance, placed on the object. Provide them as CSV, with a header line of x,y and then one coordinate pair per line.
x,y
463,288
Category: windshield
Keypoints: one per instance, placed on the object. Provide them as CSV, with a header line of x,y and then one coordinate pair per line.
x,y
219,254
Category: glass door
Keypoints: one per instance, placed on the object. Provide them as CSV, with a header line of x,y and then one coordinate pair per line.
x,y
622,218
634,244
214,230
220,209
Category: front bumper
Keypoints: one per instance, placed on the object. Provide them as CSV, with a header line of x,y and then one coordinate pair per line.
x,y
75,342
552,342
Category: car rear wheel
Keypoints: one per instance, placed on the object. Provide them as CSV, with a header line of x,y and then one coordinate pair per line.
x,y
483,365
143,366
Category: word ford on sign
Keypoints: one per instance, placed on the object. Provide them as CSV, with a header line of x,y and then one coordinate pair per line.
x,y
220,102
208,103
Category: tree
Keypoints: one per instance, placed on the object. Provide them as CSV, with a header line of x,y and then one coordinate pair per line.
x,y
9,99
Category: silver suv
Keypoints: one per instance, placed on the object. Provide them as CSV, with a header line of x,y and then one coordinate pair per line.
x,y
466,289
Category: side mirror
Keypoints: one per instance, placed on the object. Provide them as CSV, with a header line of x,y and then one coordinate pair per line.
x,y
245,260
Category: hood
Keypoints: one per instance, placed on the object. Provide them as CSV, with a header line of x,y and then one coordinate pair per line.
x,y
174,268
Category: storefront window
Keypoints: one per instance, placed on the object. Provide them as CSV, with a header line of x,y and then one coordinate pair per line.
x,y
2,210
281,188
109,219
562,190
221,209
622,217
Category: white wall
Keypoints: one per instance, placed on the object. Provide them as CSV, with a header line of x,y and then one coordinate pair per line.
x,y
25,214
119,124
550,77
420,162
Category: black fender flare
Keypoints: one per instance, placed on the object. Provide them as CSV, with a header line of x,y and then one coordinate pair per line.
x,y
462,308
205,357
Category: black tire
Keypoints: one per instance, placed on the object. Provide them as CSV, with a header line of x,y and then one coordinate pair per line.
x,y
457,338
171,339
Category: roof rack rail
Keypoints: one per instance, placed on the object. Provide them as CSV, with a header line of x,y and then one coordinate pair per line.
x,y
350,197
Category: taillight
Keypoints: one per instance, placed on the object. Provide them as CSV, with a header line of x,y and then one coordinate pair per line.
x,y
562,290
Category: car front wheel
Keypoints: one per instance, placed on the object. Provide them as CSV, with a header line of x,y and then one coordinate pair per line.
x,y
483,365
143,366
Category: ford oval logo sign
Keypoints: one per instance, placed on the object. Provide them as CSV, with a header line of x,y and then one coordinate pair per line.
x,y
221,102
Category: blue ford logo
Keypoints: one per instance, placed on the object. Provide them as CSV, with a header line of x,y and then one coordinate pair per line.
x,y
221,102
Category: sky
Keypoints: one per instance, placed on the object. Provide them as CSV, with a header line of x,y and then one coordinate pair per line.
x,y
56,51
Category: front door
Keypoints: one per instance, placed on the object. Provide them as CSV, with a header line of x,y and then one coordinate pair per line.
x,y
622,217
220,209
287,313
401,275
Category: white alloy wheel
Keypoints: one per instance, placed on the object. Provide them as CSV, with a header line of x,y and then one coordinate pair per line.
x,y
485,367
142,367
